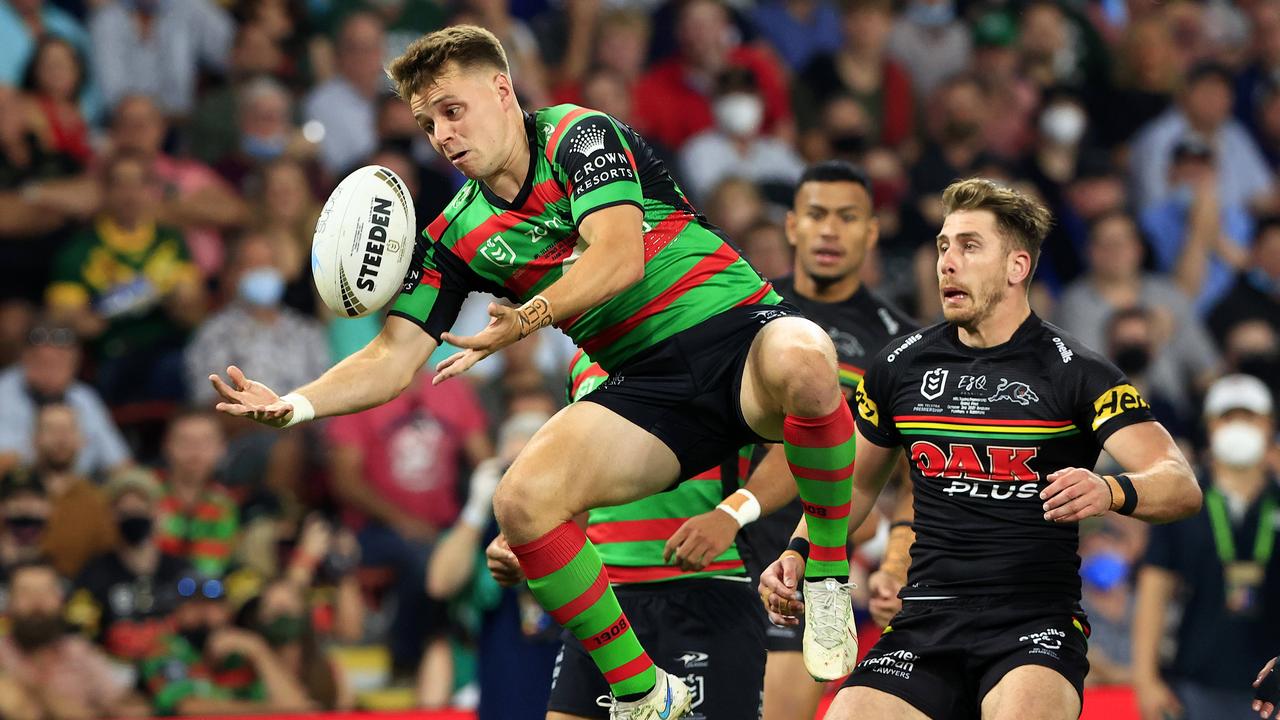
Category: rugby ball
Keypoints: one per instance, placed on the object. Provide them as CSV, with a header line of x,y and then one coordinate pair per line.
x,y
363,242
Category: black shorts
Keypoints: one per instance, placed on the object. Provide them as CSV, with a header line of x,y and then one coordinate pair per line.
x,y
685,390
944,656
703,630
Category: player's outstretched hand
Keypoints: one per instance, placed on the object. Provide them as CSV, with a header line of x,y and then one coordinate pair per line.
x,y
503,565
502,330
250,398
700,540
885,602
1074,494
778,589
1267,694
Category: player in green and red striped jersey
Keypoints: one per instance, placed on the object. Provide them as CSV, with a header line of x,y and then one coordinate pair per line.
x,y
570,214
704,622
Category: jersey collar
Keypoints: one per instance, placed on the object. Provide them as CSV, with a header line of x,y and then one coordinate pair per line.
x,y
531,132
1024,331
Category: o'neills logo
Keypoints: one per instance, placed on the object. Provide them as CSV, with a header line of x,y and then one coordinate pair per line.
x,y
379,218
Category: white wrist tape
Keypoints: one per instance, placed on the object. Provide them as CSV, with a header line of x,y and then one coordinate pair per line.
x,y
748,511
303,410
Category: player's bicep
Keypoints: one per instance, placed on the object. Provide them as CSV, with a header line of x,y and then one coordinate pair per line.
x,y
1142,445
616,232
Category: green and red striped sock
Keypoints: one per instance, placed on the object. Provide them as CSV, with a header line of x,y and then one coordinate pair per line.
x,y
568,580
820,452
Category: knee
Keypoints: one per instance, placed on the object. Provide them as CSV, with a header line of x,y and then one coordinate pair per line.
x,y
806,374
524,500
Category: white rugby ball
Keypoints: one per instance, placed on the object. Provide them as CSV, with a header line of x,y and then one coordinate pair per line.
x,y
363,242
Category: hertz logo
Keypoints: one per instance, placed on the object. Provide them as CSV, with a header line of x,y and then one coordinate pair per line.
x,y
866,406
1116,401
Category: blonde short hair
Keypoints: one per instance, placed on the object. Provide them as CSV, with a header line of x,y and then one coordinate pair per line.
x,y
1022,220
427,57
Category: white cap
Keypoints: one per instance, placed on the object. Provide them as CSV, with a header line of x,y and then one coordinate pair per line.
x,y
1238,392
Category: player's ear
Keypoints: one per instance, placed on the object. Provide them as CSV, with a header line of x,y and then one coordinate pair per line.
x,y
1019,266
502,84
873,231
789,227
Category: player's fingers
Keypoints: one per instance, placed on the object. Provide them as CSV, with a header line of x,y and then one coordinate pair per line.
x,y
1059,484
237,378
1066,512
225,390
464,341
232,409
1267,709
1068,493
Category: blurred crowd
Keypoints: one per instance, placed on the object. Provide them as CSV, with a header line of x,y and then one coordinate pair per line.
x,y
162,163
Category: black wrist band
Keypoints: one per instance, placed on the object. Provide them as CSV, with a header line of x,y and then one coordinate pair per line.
x,y
1130,495
901,523
801,546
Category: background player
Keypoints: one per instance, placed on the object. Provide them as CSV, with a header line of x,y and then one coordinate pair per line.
x,y
993,406
701,622
572,215
833,227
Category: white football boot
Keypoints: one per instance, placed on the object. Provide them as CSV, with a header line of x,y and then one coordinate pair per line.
x,y
669,699
830,636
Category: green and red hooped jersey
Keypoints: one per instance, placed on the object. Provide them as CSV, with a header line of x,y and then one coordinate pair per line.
x,y
580,161
630,538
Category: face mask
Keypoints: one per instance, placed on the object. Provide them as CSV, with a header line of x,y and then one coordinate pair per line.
x,y
37,630
849,144
959,130
197,636
1104,570
1132,359
26,529
1063,124
262,287
1263,282
284,630
1264,366
930,15
263,149
739,114
134,529
1238,444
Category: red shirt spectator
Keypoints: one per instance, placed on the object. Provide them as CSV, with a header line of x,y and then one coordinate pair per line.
x,y
411,448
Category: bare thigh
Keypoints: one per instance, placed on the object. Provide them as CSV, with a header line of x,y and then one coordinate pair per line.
x,y
864,703
564,716
587,456
1032,692
789,692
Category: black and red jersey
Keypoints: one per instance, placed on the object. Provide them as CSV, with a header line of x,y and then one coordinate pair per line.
x,y
983,428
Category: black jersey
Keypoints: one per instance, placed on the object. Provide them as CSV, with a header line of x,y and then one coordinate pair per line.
x,y
860,327
983,428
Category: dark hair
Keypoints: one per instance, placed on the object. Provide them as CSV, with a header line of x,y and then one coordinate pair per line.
x,y
425,58
829,171
1265,224
1133,312
22,481
29,77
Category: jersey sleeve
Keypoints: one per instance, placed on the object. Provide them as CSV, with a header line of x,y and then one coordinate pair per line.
x,y
1105,401
434,288
598,165
874,405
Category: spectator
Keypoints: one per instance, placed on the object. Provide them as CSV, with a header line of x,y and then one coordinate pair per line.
x,y
395,470
617,46
195,519
735,147
1256,81
286,214
765,245
707,47
930,43
124,598
1185,354
23,23
127,283
1147,71
49,366
25,504
1256,292
80,525
520,375
1197,238
157,49
213,131
279,615
798,30
517,641
735,205
1058,48
1133,344
255,331
860,68
264,119
1107,556
1204,108
33,215
192,196
521,46
45,672
1267,124
1096,189
322,564
1220,563
1252,347
54,84
1062,132
344,105
206,667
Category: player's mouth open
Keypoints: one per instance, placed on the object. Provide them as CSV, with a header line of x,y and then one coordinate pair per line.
x,y
828,255
458,156
953,295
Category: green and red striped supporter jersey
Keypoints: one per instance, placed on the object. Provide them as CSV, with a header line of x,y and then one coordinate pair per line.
x,y
580,161
630,538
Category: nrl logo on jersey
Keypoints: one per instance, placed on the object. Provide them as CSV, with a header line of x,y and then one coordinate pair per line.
x,y
934,383
498,251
